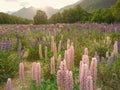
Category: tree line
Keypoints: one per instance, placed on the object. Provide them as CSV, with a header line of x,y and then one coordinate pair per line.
x,y
10,19
72,15
77,14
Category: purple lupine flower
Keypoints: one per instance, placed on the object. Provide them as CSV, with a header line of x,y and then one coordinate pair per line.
x,y
118,45
9,84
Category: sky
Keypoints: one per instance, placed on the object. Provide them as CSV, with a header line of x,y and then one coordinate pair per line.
x,y
14,5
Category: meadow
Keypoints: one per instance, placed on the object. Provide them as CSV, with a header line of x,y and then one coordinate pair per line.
x,y
78,56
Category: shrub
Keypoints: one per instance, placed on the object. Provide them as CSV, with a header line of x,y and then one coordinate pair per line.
x,y
8,65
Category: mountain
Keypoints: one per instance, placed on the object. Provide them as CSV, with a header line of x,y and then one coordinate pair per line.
x,y
49,11
30,12
91,4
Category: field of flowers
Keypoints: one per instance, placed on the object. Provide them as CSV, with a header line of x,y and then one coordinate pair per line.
x,y
60,57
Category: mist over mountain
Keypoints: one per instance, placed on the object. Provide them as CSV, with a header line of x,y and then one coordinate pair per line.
x,y
30,12
91,4
88,5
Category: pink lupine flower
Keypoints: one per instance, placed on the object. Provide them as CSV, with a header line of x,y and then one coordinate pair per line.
x,y
52,65
72,55
93,70
61,75
85,59
89,83
83,76
33,70
66,57
9,85
69,57
59,79
59,60
86,51
38,73
21,72
80,68
69,80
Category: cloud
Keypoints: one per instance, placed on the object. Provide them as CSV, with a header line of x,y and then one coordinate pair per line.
x,y
11,0
24,4
13,5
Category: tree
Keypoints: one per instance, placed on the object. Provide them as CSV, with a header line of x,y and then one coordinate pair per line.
x,y
40,17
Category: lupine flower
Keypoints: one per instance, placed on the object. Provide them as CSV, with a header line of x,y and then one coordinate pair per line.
x,y
89,83
61,75
69,57
59,46
52,65
69,80
38,73
52,43
83,76
21,72
9,85
86,51
40,51
46,52
93,70
33,70
108,41
59,60
102,59
97,57
116,48
85,59
55,51
72,55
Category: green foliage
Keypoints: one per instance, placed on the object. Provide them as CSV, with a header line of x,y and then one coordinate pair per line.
x,y
76,14
10,19
109,78
102,15
116,11
101,50
40,17
8,65
33,53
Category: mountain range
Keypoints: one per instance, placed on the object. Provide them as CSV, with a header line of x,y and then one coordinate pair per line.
x,y
88,5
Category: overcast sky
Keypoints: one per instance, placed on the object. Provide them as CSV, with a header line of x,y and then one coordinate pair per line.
x,y
14,5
